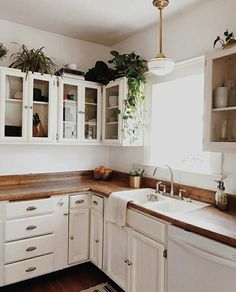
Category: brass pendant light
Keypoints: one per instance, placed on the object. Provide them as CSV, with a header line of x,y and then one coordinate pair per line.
x,y
161,65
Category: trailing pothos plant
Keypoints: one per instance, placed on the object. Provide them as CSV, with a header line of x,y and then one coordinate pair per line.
x,y
132,67
3,51
33,60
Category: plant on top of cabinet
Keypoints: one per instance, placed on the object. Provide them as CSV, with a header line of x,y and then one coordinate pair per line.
x,y
133,67
33,60
229,40
3,51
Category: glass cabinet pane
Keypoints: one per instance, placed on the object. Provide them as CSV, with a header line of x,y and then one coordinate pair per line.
x,y
91,108
13,106
112,113
70,112
40,108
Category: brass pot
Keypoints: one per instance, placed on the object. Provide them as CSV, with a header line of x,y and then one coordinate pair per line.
x,y
135,182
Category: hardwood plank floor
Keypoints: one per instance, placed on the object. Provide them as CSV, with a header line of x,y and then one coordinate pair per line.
x,y
72,279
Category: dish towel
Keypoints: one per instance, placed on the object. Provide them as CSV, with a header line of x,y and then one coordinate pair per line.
x,y
116,208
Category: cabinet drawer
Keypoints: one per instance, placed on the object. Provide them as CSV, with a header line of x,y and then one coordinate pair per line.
x,y
79,201
28,248
97,203
28,269
29,208
146,225
29,227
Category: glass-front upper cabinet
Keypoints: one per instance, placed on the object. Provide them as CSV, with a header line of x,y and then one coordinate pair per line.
x,y
13,105
91,112
69,110
220,101
112,107
42,107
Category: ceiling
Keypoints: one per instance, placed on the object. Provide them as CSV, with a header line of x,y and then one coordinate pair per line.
x,y
100,21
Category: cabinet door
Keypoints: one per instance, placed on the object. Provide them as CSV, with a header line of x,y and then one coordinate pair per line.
x,y
112,121
91,109
146,264
13,105
96,238
78,235
69,117
117,254
42,108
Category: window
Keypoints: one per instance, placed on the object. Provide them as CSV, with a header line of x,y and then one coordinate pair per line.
x,y
177,125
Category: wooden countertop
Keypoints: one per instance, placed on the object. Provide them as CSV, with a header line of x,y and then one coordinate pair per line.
x,y
207,221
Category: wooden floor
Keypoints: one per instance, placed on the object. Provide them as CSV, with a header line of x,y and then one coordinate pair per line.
x,y
69,280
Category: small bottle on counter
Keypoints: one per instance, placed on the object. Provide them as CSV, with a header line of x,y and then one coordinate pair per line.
x,y
221,201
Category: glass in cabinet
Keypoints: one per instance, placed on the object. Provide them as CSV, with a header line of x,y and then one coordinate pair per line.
x,y
13,105
91,112
111,112
69,104
220,100
42,106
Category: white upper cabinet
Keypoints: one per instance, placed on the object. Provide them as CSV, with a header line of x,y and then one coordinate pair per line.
x,y
42,108
220,101
114,132
13,105
28,103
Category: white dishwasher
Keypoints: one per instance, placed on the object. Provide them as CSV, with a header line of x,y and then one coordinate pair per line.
x,y
199,264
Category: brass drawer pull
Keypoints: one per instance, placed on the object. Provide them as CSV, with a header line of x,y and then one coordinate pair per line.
x,y
31,248
31,269
79,202
31,208
95,203
31,227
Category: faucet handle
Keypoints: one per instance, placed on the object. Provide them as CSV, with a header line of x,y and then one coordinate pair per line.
x,y
181,191
164,188
158,186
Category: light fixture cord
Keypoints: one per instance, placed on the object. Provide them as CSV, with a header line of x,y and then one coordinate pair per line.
x,y
161,45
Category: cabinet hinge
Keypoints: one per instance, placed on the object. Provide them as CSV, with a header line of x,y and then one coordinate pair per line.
x,y
165,253
57,137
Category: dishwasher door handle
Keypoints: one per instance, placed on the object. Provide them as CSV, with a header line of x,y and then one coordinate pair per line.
x,y
207,256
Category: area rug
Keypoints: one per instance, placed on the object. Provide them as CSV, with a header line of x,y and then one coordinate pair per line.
x,y
104,287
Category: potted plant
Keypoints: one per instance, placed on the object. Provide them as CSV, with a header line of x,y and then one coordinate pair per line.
x,y
135,178
229,40
33,60
133,67
3,51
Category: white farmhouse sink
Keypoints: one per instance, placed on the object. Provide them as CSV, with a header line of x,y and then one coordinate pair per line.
x,y
164,205
170,206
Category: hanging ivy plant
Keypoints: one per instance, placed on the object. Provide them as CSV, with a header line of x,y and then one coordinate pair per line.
x,y
132,67
3,51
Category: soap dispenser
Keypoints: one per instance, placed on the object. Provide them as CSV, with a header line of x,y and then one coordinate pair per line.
x,y
221,201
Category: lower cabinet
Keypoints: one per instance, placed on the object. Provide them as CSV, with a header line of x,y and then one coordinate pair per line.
x,y
96,238
134,261
146,264
78,235
117,242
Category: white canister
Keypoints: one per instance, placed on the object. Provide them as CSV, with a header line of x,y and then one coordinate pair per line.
x,y
221,97
112,101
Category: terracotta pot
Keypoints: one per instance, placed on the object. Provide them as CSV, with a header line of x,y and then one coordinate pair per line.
x,y
135,182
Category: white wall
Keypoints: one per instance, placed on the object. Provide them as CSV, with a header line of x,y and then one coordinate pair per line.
x,y
187,35
34,159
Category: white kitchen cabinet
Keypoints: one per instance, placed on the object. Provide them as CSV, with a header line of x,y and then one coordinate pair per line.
x,y
220,122
96,231
117,248
79,116
78,231
24,116
147,264
114,96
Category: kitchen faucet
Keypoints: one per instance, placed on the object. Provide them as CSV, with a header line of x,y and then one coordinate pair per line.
x,y
171,178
